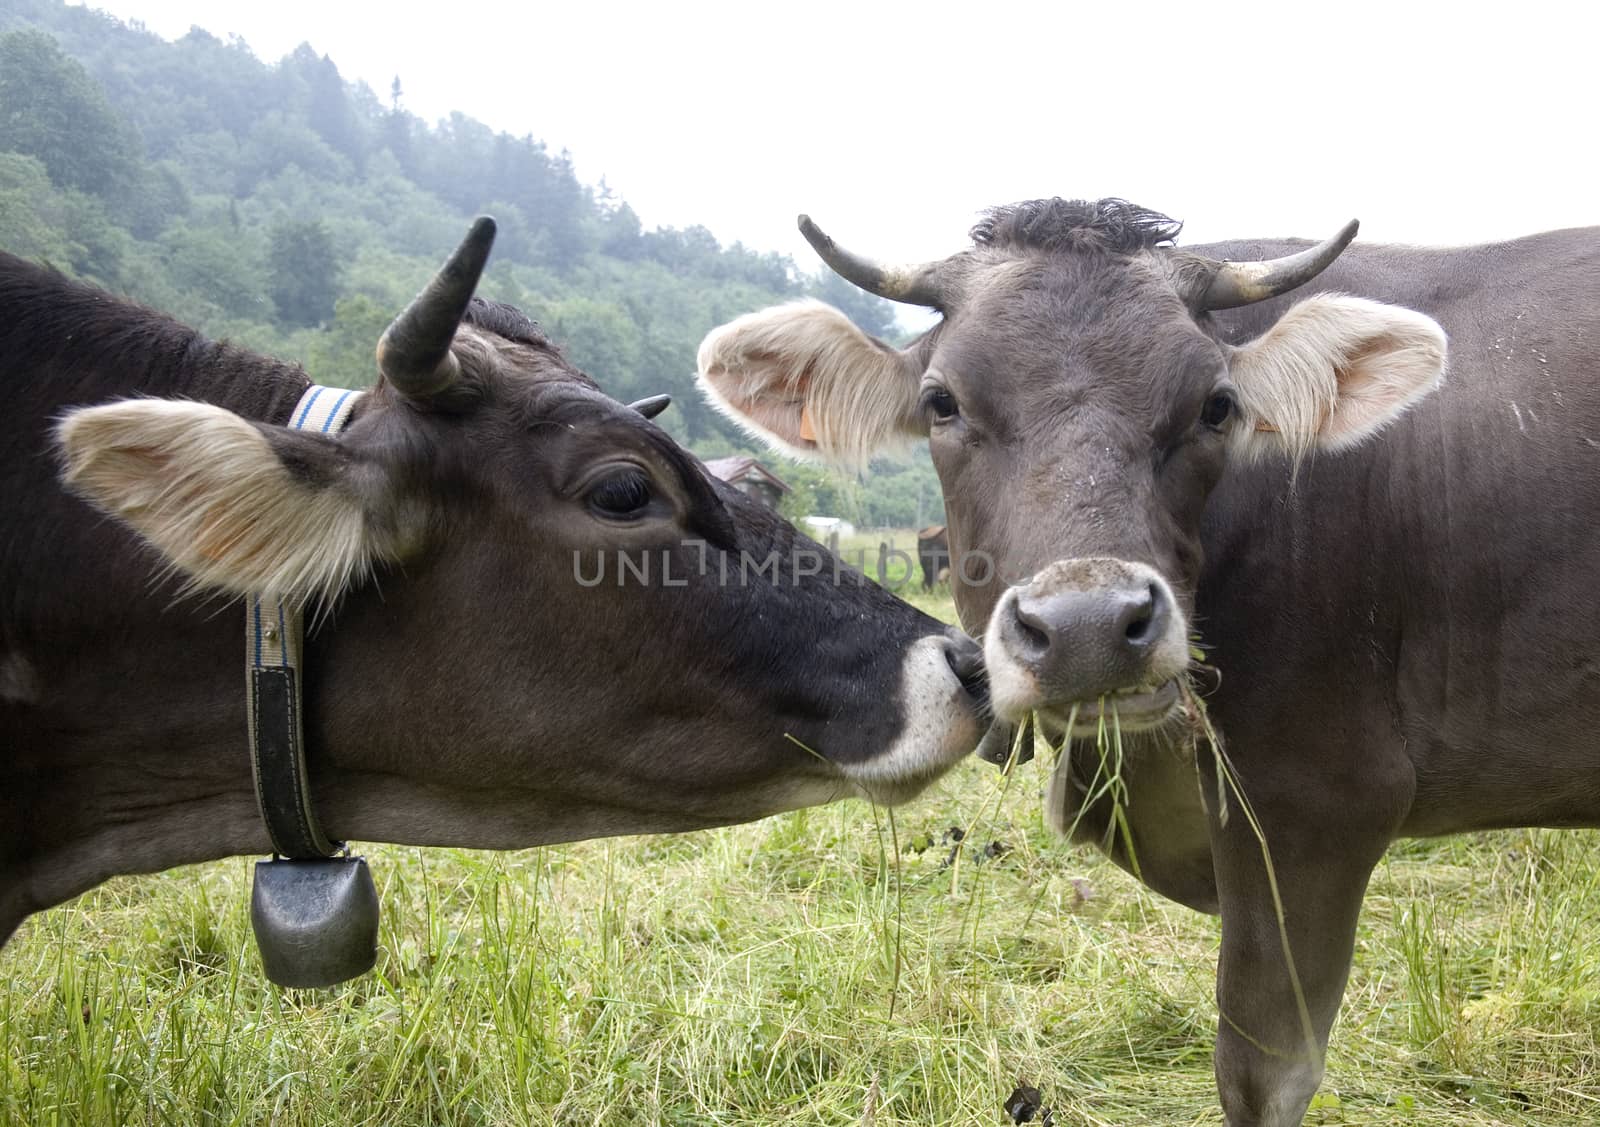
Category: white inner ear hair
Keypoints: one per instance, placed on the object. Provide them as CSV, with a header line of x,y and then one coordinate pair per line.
x,y
1333,371
207,490
771,369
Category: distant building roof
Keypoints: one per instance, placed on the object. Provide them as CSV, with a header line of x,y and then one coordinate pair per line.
x,y
744,468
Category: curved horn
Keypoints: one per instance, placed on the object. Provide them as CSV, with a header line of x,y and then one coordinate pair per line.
x,y
652,406
414,351
914,285
1242,283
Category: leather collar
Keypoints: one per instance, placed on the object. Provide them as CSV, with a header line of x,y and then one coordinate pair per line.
x,y
274,644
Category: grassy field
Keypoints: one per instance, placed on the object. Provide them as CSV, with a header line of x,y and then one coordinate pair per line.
x,y
901,572
825,967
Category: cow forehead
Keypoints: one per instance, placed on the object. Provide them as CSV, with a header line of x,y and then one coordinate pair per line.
x,y
523,399
1063,327
536,384
519,364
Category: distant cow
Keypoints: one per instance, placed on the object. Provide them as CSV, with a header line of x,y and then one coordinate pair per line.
x,y
933,552
463,688
1245,441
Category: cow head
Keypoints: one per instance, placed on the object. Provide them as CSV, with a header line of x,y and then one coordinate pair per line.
x,y
534,605
1079,408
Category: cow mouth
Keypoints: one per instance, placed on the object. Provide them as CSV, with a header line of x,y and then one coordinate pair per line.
x,y
1134,709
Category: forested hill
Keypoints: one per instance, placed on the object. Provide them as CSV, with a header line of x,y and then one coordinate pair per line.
x,y
287,209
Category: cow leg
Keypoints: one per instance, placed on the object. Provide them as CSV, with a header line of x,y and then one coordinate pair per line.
x,y
1267,1067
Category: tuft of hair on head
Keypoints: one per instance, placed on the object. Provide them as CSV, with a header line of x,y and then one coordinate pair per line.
x,y
507,321
1109,225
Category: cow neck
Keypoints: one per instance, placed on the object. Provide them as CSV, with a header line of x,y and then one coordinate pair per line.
x,y
274,649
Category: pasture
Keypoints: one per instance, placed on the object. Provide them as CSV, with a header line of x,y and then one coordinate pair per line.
x,y
830,966
901,572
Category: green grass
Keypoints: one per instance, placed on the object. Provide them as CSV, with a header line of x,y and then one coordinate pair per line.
x,y
761,975
902,573
770,973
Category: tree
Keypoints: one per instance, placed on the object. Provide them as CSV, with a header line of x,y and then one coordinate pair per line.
x,y
818,491
396,130
210,264
216,231
603,341
303,272
51,109
278,140
32,214
619,232
328,109
158,198
344,353
690,250
871,313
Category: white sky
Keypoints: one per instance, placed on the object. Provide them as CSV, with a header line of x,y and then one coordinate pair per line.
x,y
893,124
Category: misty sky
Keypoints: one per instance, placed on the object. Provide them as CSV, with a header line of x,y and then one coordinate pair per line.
x,y
894,124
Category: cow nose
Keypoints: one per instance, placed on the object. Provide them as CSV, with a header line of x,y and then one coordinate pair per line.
x,y
966,662
1136,615
1081,643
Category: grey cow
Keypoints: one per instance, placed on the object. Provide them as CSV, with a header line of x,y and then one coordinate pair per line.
x,y
1240,441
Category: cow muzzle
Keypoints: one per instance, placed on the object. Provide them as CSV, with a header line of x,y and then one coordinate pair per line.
x,y
1091,641
943,702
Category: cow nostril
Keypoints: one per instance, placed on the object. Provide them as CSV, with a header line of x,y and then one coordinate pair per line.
x,y
1138,628
965,658
1037,639
1031,630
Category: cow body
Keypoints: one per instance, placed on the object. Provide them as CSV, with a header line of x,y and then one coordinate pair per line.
x,y
462,686
1404,630
1432,587
933,553
1419,601
1401,620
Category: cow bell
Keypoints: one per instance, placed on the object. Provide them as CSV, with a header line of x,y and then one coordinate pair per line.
x,y
316,921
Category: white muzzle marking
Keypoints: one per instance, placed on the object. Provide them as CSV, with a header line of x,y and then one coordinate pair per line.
x,y
940,728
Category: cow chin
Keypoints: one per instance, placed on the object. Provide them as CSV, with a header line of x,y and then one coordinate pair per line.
x,y
941,726
1141,709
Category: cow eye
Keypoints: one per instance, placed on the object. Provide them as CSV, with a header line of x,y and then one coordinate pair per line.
x,y
1217,409
939,403
624,494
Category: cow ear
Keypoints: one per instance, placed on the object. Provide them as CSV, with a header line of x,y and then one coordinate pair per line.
x,y
235,506
1333,371
806,380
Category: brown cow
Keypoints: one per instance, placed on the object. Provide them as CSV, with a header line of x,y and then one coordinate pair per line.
x,y
933,552
468,685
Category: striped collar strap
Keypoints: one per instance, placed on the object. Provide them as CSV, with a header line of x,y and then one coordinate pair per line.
x,y
274,641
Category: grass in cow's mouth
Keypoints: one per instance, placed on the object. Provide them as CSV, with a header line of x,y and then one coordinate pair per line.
x,y
1227,780
1109,785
